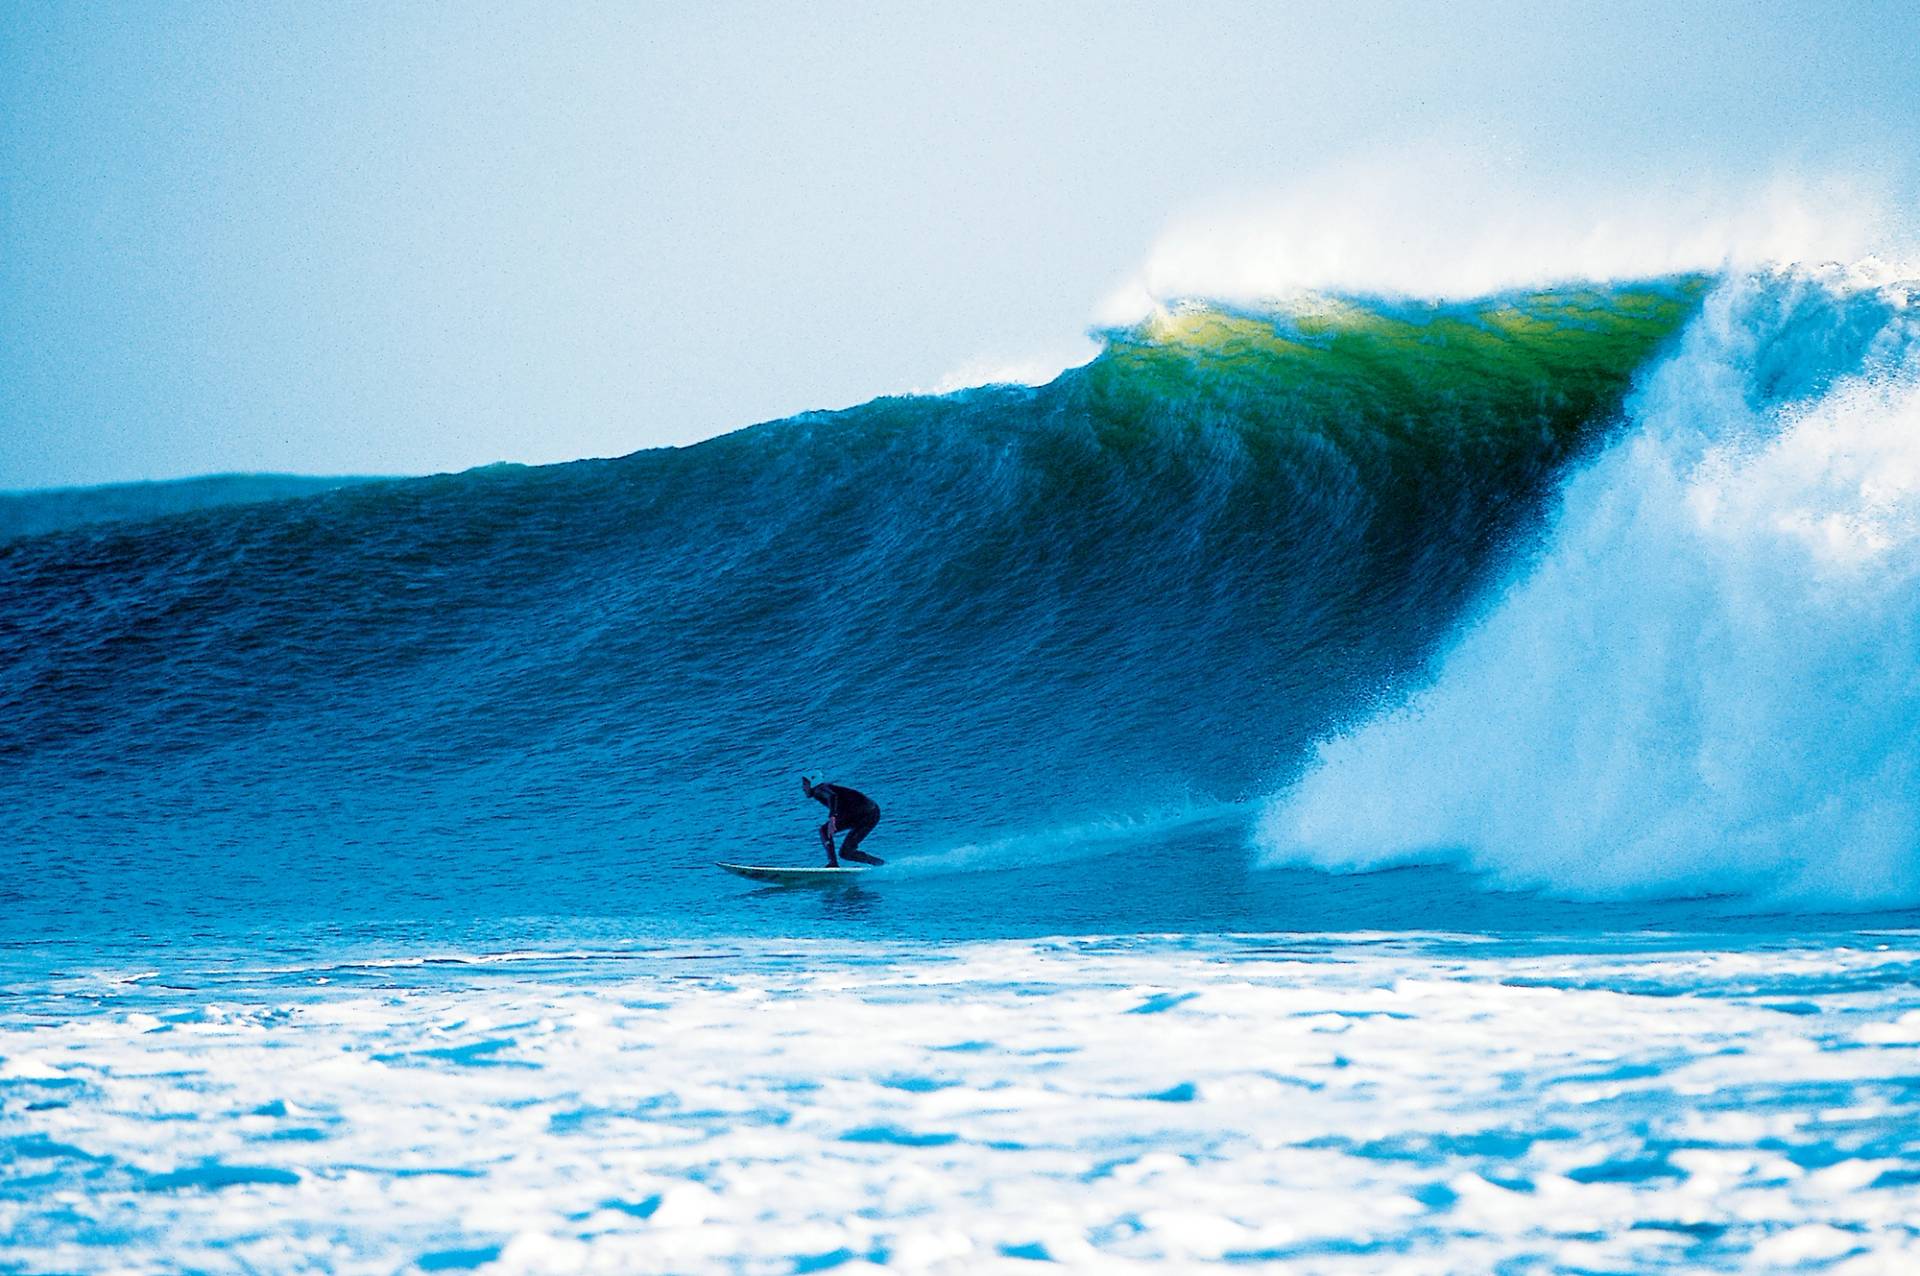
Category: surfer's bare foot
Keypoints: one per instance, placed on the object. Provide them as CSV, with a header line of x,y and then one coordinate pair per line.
x,y
861,857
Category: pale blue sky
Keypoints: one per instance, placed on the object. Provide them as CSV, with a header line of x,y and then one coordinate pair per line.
x,y
342,238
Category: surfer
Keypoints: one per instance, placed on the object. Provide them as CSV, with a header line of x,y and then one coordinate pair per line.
x,y
847,809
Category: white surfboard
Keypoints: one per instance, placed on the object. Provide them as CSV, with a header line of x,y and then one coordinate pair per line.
x,y
791,876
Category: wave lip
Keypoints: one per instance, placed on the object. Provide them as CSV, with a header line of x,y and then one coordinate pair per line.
x,y
1706,683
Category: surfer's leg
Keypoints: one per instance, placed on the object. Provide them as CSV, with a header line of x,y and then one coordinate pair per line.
x,y
826,840
850,849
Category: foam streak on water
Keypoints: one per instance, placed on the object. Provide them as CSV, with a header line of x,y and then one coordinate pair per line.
x,y
1354,1104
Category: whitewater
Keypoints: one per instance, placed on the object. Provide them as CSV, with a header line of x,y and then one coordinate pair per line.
x,y
1371,785
1706,682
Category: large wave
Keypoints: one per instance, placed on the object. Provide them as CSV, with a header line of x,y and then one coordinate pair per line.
x,y
1144,586
1708,680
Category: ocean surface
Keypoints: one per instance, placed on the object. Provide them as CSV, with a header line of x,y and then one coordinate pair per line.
x,y
1368,786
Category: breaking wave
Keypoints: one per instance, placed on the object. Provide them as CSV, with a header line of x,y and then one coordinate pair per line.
x,y
1707,680
1605,591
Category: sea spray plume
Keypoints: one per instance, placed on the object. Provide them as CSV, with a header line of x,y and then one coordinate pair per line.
x,y
1447,222
1709,682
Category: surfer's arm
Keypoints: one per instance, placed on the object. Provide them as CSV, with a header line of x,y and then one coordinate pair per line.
x,y
828,796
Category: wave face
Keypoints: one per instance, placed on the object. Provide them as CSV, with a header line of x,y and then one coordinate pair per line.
x,y
1708,682
1121,601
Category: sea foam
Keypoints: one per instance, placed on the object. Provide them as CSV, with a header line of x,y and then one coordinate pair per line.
x,y
1328,1104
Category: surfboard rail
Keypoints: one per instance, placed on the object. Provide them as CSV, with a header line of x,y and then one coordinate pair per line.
x,y
791,875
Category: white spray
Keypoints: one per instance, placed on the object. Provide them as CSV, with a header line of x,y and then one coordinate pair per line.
x,y
1708,682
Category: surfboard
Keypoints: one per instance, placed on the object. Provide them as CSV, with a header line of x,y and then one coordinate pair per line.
x,y
791,876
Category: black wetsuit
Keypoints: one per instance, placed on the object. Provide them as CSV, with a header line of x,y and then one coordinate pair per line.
x,y
849,810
